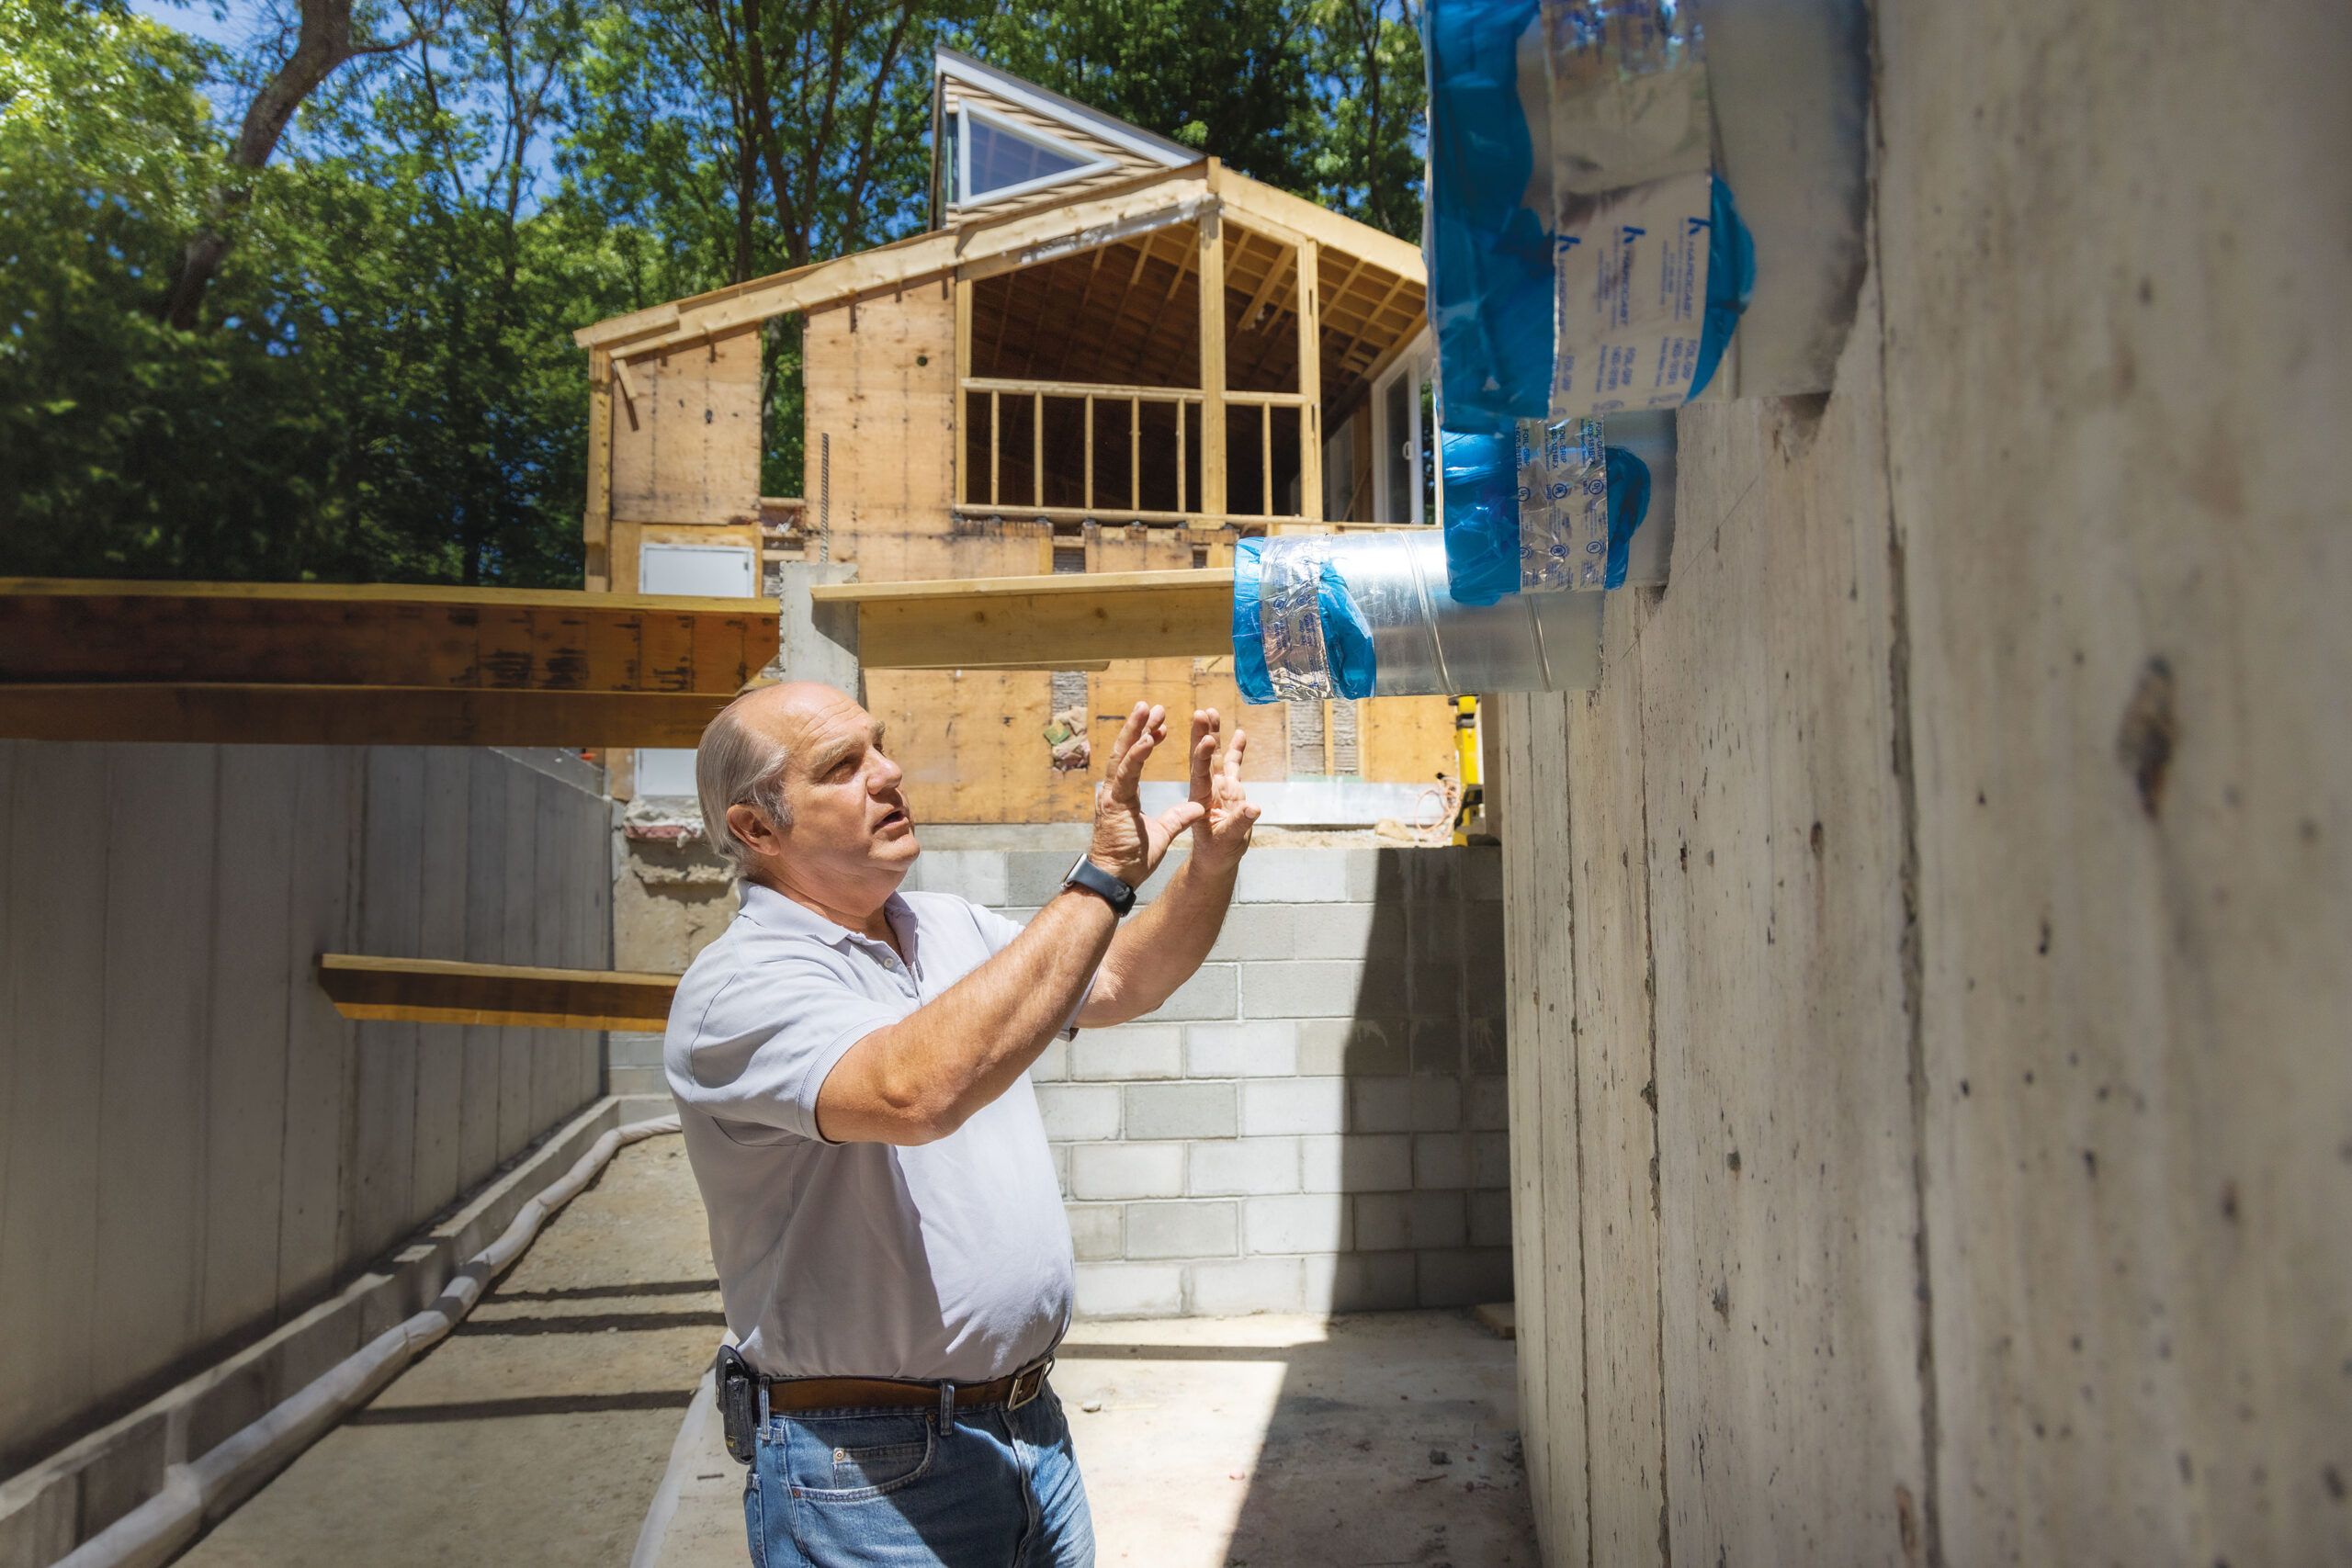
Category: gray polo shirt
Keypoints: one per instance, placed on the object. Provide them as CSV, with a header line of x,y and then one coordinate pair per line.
x,y
950,1260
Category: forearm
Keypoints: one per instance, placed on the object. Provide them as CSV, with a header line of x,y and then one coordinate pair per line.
x,y
943,1062
1162,947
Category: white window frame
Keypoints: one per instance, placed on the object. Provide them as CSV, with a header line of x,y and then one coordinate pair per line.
x,y
1089,165
1419,362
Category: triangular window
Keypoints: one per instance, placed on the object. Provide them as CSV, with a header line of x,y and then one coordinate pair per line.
x,y
996,158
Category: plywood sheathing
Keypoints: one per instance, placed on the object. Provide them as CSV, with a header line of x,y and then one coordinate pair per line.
x,y
686,434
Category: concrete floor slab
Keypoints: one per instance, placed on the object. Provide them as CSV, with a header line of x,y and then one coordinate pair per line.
x,y
537,1432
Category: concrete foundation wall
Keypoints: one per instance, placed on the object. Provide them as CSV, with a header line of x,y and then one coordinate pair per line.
x,y
1931,1104
194,1145
1315,1122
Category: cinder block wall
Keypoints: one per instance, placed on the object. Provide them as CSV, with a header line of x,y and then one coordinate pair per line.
x,y
1931,1098
1315,1122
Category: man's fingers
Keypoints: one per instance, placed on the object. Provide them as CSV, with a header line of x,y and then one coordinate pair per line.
x,y
1181,816
1128,769
1233,756
1127,737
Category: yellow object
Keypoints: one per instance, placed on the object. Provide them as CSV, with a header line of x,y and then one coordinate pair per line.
x,y
1465,752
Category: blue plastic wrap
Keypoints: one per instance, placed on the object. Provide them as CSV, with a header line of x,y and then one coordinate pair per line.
x,y
1731,278
1328,654
1628,503
1481,494
1490,253
1249,637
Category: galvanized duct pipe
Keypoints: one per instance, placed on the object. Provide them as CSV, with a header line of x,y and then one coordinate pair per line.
x,y
1369,614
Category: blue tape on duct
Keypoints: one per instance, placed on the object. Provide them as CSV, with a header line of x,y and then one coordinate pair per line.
x,y
1481,514
1347,637
1731,278
1249,637
1490,254
1629,502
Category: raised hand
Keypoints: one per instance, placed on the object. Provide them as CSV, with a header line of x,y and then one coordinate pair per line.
x,y
1128,843
1221,834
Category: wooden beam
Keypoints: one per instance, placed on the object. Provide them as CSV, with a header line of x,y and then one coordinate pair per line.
x,y
1310,383
432,990
597,519
1247,199
377,635
1166,195
351,715
1212,291
1038,623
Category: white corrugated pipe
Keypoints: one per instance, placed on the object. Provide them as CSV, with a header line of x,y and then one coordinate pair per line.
x,y
206,1488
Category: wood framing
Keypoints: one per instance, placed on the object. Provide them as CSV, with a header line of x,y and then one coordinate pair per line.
x,y
350,715
376,635
1310,382
1039,623
1213,436
429,990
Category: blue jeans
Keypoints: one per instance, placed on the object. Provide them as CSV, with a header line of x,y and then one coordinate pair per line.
x,y
998,1489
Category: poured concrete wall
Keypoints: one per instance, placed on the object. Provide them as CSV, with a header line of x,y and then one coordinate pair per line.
x,y
194,1145
1931,1086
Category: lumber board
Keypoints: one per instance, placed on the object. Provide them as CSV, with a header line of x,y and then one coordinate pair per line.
x,y
350,715
514,996
1043,623
58,630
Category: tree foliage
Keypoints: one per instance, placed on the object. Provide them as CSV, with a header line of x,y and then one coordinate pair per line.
x,y
373,378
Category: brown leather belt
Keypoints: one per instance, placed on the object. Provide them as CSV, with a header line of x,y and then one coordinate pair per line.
x,y
862,1393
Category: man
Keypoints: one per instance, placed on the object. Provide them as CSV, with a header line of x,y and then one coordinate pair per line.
x,y
848,1062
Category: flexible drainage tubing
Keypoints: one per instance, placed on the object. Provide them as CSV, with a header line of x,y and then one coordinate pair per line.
x,y
208,1487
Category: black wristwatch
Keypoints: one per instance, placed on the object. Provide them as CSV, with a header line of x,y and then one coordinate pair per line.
x,y
1095,880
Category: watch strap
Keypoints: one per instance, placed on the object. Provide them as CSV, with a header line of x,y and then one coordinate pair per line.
x,y
1095,880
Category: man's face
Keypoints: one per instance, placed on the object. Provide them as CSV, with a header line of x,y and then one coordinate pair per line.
x,y
849,818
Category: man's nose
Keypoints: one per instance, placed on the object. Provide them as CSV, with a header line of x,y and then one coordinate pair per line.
x,y
887,773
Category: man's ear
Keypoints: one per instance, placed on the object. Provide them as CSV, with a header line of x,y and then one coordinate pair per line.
x,y
754,829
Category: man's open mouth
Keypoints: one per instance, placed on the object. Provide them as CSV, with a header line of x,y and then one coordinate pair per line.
x,y
897,814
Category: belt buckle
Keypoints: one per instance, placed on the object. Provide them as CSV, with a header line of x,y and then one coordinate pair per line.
x,y
1036,1378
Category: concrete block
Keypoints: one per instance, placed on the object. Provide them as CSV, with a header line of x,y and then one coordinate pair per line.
x,y
1403,1105
1350,930
980,876
1061,1169
1129,1290
1270,1105
1433,990
1190,1229
1385,1221
1249,1284
1434,931
1033,876
1359,1282
1097,1231
1322,987
633,1048
1130,1051
1252,1048
1310,1224
1485,1038
1076,1112
1482,875
1356,1162
1490,1219
1234,1166
1489,1159
1355,1046
1437,1046
1182,1111
1464,1278
1209,994
636,1081
1440,1161
1126,1170
1485,1103
1256,931
1052,1065
1321,876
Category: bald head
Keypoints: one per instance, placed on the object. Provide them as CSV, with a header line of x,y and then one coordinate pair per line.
x,y
770,746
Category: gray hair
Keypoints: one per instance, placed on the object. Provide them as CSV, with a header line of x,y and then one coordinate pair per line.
x,y
737,764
